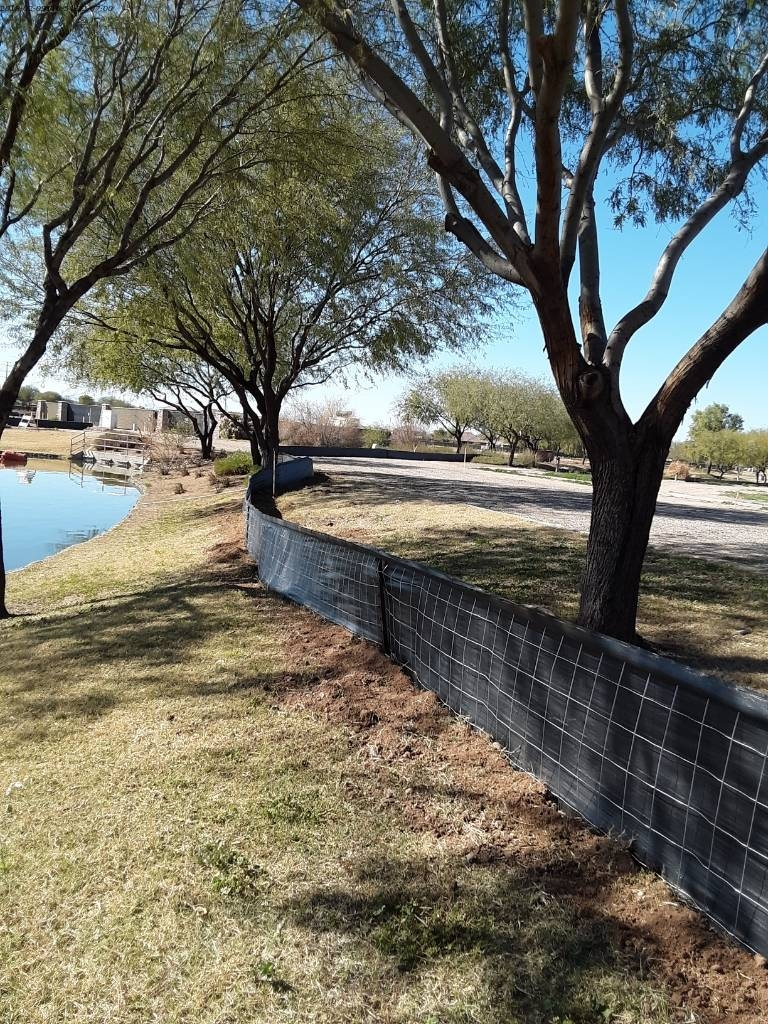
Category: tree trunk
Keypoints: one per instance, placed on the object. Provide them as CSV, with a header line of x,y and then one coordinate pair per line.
x,y
625,486
4,613
206,442
269,441
512,450
257,452
206,432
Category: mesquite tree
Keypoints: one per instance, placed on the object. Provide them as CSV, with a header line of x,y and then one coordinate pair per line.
x,y
664,104
177,379
449,399
311,270
122,143
119,119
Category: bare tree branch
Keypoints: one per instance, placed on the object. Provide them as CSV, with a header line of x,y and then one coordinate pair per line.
x,y
604,112
746,312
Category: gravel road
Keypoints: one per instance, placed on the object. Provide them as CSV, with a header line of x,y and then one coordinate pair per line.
x,y
707,521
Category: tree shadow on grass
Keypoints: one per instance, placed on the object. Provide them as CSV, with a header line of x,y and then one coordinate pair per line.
x,y
63,670
692,602
533,957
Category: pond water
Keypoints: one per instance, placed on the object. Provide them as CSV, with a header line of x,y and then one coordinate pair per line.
x,y
50,505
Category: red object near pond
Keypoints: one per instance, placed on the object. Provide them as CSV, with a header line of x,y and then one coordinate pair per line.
x,y
13,459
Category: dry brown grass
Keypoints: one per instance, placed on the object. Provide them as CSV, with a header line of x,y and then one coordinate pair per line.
x,y
218,809
47,442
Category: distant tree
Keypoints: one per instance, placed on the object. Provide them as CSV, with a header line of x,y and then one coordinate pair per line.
x,y
50,396
379,436
407,435
322,424
231,427
703,442
447,399
113,402
179,380
755,453
715,417
485,408
513,407
86,400
679,451
558,431
721,450
28,394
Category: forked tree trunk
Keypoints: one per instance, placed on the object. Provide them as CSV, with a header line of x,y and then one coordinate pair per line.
x,y
624,492
205,438
271,426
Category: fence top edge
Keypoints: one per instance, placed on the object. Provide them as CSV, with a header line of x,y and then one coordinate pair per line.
x,y
741,699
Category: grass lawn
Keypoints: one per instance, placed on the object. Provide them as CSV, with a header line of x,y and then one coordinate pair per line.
x,y
218,809
756,495
47,442
709,615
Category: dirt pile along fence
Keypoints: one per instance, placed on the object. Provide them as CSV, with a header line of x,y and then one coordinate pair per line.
x,y
633,742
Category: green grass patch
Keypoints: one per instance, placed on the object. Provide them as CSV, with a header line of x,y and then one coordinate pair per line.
x,y
491,459
761,497
570,475
235,464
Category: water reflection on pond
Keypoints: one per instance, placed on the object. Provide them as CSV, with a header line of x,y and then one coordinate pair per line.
x,y
48,505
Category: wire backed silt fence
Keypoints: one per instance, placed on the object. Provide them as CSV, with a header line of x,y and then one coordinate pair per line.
x,y
638,745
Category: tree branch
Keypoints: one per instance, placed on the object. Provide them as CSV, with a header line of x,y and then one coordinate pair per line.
x,y
604,112
446,158
746,312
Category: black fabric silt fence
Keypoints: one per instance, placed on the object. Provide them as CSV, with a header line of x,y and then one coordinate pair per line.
x,y
638,745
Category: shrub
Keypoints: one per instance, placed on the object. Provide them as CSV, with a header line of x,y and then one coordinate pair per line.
x,y
678,471
379,436
231,429
321,424
235,464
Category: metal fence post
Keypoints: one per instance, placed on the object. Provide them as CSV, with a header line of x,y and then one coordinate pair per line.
x,y
383,604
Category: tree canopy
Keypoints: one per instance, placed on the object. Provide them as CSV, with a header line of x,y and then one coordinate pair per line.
x,y
117,139
504,405
715,417
176,379
313,266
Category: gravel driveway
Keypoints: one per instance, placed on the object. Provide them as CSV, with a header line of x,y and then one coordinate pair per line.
x,y
695,519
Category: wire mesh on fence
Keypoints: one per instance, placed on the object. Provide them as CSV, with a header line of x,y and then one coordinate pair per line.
x,y
634,743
